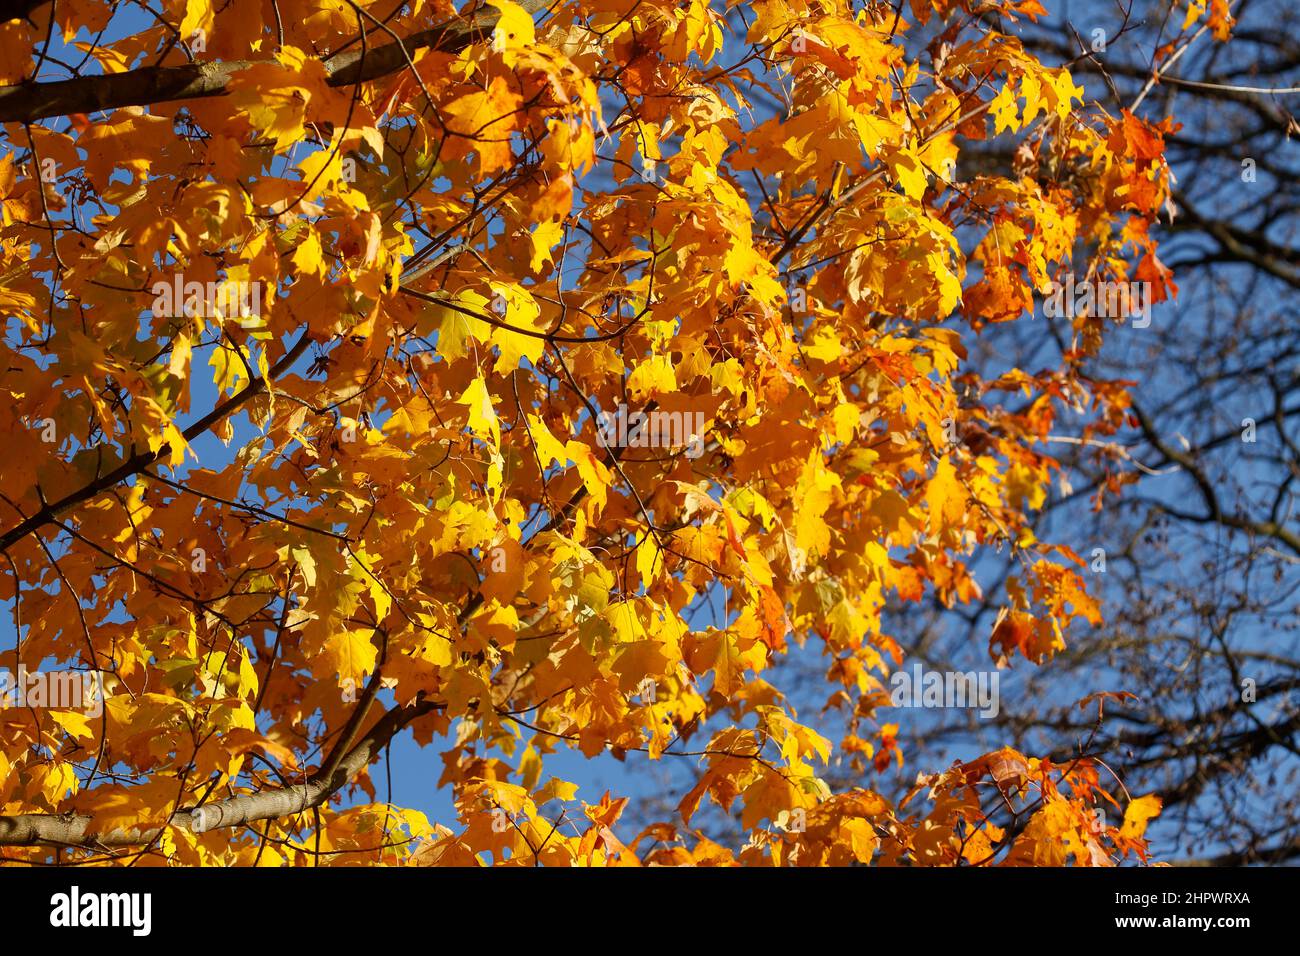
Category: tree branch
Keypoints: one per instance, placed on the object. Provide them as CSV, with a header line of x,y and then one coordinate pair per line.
x,y
142,460
28,102
31,829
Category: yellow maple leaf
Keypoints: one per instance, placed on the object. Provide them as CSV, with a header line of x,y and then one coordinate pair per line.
x,y
482,415
549,450
350,654
1138,814
544,238
514,28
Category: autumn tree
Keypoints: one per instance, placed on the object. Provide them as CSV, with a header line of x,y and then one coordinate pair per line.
x,y
1186,515
532,376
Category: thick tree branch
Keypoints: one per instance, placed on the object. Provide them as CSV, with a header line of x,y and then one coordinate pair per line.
x,y
28,102
31,829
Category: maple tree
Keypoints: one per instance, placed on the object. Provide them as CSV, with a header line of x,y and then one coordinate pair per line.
x,y
472,235
1194,563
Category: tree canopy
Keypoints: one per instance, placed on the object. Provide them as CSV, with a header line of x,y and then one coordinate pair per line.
x,y
526,377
